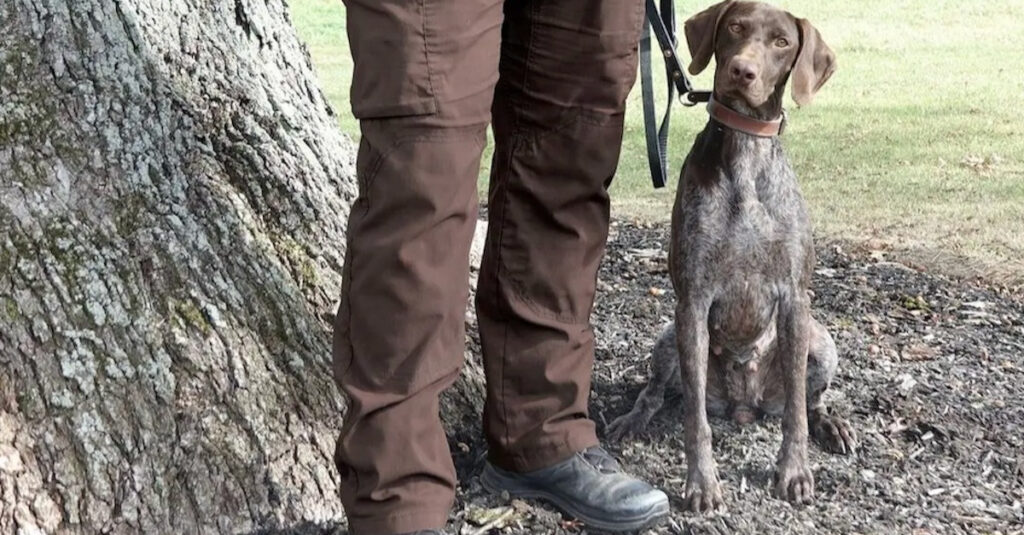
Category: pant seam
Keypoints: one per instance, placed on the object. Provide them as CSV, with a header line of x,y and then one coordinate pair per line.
x,y
514,139
535,12
426,52
497,283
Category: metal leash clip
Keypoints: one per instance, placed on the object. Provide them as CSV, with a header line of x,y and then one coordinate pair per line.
x,y
693,98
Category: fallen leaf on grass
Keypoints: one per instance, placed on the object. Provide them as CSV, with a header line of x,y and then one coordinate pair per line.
x,y
980,164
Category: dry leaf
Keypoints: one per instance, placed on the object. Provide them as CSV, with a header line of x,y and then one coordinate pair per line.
x,y
918,352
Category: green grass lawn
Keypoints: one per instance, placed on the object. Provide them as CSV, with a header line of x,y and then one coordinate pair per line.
x,y
916,145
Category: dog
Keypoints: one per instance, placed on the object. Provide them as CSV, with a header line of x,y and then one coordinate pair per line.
x,y
741,256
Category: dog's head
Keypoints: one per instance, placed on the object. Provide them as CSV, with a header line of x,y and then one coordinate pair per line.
x,y
757,48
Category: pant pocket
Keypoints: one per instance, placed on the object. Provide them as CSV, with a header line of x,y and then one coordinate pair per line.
x,y
392,75
424,58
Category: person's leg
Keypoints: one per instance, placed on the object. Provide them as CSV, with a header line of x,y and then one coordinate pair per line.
x,y
566,69
422,88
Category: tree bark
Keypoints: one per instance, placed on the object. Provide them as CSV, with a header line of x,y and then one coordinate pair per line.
x,y
173,196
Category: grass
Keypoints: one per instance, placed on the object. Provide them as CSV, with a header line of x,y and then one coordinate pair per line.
x,y
914,147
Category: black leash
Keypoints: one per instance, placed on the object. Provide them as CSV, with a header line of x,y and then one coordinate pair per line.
x,y
663,24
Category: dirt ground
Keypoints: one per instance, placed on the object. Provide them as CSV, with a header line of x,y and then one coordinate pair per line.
x,y
931,376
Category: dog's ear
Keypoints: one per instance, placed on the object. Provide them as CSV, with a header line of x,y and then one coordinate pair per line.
x,y
701,34
814,65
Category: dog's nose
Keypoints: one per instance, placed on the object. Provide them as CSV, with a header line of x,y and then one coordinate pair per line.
x,y
743,72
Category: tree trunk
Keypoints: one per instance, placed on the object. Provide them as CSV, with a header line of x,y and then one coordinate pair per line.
x,y
173,195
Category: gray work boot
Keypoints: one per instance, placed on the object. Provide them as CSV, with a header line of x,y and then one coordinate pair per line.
x,y
589,486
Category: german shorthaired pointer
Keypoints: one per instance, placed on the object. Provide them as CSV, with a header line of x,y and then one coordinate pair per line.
x,y
744,342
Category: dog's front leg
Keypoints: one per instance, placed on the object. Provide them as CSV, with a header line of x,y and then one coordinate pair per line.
x,y
793,478
703,492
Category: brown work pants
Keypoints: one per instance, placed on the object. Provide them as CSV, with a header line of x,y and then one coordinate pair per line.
x,y
429,75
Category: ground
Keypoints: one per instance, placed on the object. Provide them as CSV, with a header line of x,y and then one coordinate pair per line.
x,y
931,375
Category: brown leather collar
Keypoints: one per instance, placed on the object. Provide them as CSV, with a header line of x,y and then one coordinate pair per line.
x,y
735,120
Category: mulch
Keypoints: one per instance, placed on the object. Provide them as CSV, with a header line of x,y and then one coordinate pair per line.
x,y
931,376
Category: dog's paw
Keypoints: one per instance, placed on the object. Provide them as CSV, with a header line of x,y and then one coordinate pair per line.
x,y
794,481
834,435
624,427
703,492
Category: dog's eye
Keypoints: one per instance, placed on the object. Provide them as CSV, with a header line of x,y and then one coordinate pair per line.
x,y
736,27
782,42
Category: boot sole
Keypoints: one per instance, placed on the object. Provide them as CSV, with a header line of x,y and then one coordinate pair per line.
x,y
496,483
